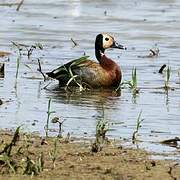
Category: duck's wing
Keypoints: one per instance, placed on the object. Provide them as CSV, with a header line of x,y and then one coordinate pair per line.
x,y
64,69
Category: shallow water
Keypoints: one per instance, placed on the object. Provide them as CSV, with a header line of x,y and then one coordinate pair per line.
x,y
139,25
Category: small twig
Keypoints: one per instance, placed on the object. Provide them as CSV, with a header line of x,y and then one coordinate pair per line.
x,y
40,70
45,87
75,44
19,44
19,5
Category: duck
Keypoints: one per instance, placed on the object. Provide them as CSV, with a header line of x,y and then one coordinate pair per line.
x,y
105,73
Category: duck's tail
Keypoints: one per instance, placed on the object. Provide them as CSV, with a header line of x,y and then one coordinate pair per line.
x,y
56,73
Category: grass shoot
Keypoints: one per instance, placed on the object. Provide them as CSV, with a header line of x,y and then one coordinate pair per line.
x,y
49,112
53,153
138,125
132,83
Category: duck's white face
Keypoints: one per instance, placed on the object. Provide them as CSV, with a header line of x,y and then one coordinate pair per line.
x,y
107,41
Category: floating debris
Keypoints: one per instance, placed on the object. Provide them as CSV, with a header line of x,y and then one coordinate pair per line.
x,y
3,53
75,43
152,53
19,5
1,70
162,68
1,102
9,4
171,142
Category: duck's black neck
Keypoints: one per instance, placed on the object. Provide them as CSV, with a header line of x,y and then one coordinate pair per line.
x,y
98,53
99,46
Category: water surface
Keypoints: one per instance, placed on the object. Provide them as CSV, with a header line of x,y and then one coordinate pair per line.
x,y
139,25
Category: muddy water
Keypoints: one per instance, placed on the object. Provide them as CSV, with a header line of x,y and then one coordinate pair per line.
x,y
140,25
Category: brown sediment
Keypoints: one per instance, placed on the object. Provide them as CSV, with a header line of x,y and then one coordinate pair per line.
x,y
74,160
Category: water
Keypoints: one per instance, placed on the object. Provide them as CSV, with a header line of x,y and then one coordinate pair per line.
x,y
139,25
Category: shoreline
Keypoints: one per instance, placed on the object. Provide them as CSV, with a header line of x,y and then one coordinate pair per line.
x,y
71,158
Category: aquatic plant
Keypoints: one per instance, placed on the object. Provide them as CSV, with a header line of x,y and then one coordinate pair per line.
x,y
49,112
29,53
138,125
102,127
75,78
28,48
32,47
58,120
18,46
17,66
167,78
40,70
132,83
178,74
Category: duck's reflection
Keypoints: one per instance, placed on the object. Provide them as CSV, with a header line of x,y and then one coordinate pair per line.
x,y
94,97
90,107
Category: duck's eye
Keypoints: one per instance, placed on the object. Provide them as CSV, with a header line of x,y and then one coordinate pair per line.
x,y
107,39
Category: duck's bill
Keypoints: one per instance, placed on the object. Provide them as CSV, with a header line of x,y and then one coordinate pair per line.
x,y
118,46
